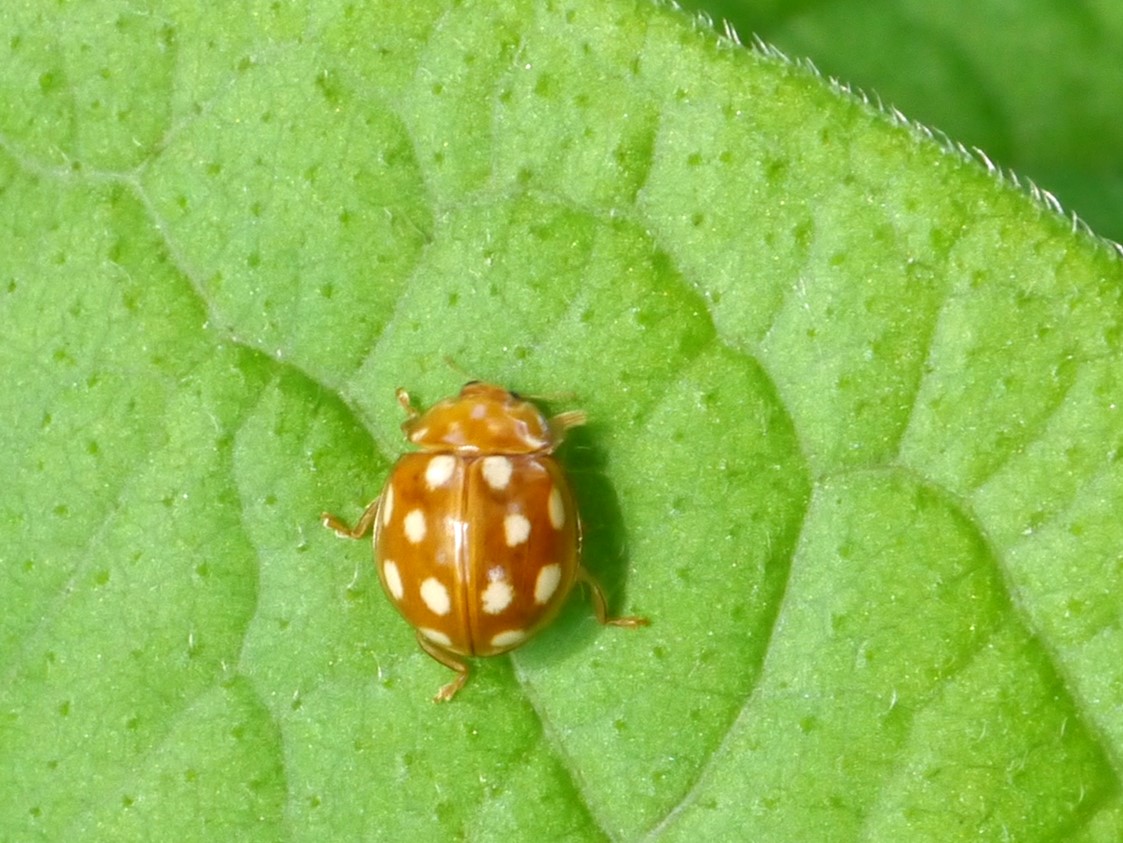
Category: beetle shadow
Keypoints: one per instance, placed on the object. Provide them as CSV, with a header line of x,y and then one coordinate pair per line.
x,y
604,552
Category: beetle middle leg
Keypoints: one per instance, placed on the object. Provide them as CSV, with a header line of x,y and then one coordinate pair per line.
x,y
362,526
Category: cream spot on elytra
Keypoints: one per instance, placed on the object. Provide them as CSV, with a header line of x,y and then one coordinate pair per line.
x,y
439,470
497,472
555,507
507,638
387,504
435,595
516,528
547,583
435,635
414,524
393,579
498,594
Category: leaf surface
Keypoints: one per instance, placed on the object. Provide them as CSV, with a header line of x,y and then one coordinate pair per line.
x,y
854,440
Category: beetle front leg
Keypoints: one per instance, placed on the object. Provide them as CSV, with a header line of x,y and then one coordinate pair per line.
x,y
564,422
406,404
450,660
412,413
340,528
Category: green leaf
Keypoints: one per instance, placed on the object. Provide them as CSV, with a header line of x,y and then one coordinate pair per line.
x,y
854,440
1036,84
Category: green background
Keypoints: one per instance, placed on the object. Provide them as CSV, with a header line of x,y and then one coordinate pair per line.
x,y
855,439
1035,85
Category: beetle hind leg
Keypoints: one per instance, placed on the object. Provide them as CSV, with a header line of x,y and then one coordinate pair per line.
x,y
450,660
600,605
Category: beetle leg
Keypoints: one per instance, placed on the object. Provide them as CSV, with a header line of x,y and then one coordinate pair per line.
x,y
449,660
405,403
600,605
568,420
360,529
412,413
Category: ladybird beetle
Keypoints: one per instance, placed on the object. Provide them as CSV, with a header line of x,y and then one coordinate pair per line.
x,y
476,537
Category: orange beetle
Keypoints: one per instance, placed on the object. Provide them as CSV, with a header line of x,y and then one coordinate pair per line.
x,y
476,536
